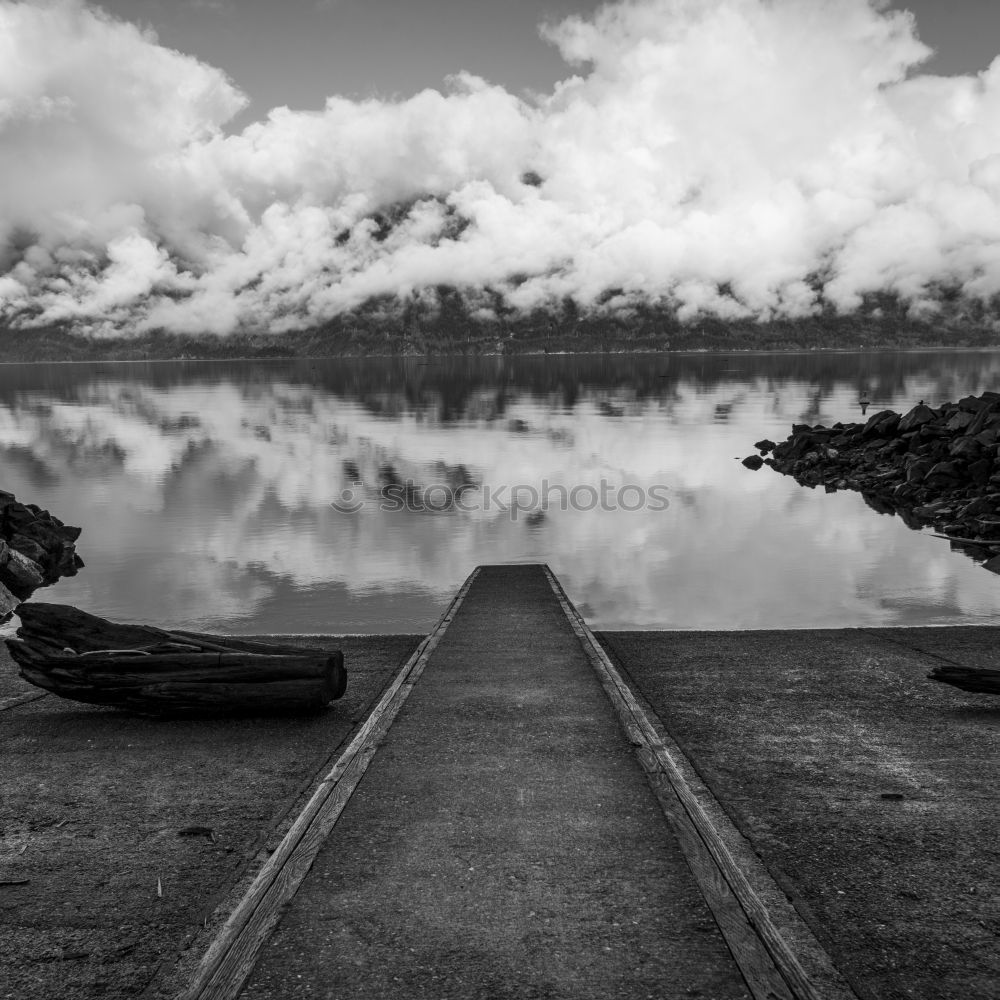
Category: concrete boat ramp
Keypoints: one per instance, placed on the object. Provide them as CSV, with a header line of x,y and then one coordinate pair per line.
x,y
512,821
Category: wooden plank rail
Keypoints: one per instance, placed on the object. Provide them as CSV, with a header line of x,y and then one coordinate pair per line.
x,y
981,680
230,958
769,965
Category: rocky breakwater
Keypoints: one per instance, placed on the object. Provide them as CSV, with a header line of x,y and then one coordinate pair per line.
x,y
36,549
933,466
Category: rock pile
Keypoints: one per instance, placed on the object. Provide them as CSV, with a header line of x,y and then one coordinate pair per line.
x,y
936,466
36,549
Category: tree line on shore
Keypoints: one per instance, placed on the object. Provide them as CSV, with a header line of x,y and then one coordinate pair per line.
x,y
443,321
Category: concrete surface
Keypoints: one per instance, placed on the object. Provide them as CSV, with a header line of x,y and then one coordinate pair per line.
x,y
869,791
798,734
504,842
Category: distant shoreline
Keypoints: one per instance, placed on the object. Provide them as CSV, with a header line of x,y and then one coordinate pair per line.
x,y
421,358
380,336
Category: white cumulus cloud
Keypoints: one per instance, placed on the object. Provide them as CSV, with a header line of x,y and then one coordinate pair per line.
x,y
741,157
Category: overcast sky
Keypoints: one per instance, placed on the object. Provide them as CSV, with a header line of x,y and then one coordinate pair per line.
x,y
209,165
298,52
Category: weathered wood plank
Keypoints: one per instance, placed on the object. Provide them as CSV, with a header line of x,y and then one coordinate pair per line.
x,y
660,767
237,642
64,625
138,667
981,680
230,958
275,697
749,951
123,671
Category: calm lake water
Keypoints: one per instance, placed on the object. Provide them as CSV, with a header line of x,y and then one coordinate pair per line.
x,y
205,490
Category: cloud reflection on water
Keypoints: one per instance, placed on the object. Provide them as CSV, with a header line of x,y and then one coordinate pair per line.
x,y
204,490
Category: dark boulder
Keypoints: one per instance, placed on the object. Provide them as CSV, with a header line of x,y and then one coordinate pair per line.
x,y
960,420
36,549
965,447
917,417
881,424
917,471
984,418
972,404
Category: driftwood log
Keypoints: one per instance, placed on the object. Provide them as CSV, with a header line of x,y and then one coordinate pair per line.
x,y
152,671
982,680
